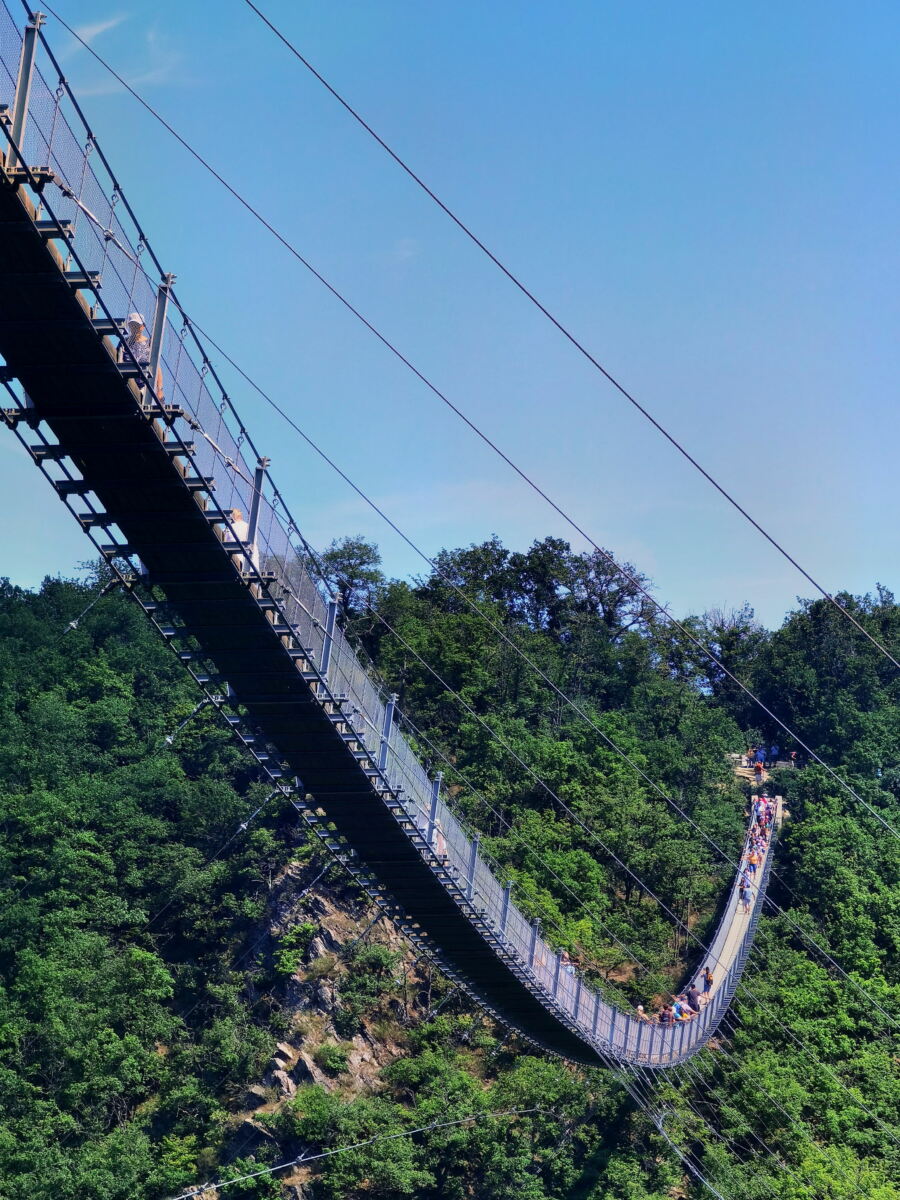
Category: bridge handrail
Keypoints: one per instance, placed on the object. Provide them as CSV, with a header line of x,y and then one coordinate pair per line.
x,y
93,202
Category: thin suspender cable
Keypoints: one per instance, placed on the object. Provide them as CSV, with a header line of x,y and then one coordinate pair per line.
x,y
738,1066
567,334
527,659
643,1100
492,445
303,1159
534,666
697,1082
735,680
811,1054
587,829
583,906
517,837
719,1137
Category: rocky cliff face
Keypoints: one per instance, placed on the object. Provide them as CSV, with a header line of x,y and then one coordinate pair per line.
x,y
348,988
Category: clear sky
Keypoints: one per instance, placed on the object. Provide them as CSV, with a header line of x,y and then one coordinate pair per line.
x,y
707,194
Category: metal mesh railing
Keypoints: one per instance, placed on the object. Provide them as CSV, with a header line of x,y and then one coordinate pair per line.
x,y
104,236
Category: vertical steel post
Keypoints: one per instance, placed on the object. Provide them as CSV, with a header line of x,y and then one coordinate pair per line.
x,y
535,932
259,478
330,619
596,1012
556,969
577,1005
432,814
473,859
681,1036
159,329
651,1047
640,1035
386,727
23,85
612,1027
504,910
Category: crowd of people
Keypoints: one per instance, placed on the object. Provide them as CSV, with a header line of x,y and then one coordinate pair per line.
x,y
763,815
763,758
686,1006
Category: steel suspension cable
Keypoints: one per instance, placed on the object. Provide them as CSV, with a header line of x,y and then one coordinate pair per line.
x,y
735,680
635,582
567,334
587,828
522,654
584,907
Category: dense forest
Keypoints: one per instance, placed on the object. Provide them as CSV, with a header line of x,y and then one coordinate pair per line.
x,y
191,991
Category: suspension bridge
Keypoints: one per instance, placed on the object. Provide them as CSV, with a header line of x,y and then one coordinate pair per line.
x,y
141,441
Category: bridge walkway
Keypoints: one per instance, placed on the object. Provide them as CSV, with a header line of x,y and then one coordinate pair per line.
x,y
162,484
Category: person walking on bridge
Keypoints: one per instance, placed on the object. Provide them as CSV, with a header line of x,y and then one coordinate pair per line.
x,y
753,860
707,978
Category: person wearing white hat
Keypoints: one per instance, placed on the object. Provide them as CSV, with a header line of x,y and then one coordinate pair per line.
x,y
137,342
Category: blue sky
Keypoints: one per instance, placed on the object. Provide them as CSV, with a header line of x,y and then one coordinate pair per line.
x,y
706,194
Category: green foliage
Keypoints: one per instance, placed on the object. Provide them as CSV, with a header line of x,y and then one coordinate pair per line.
x,y
292,947
332,1058
135,1002
369,977
124,1027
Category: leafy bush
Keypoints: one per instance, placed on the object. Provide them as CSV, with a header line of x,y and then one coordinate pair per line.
x,y
332,1058
292,947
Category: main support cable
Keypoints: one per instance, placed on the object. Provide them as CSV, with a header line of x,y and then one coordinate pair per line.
x,y
635,582
530,662
567,334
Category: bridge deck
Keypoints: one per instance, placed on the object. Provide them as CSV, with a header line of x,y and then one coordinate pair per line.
x,y
166,504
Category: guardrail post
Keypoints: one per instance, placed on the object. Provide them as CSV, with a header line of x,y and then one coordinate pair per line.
x,y
556,969
578,986
535,933
504,910
640,1035
386,728
612,1026
596,1017
650,1044
473,859
159,328
681,1029
23,84
333,605
432,814
259,478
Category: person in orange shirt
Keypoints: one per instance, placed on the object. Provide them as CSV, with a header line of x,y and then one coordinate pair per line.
x,y
754,858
